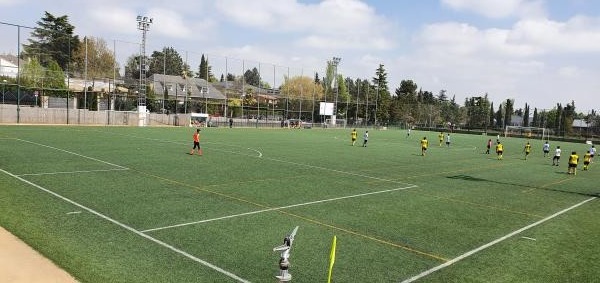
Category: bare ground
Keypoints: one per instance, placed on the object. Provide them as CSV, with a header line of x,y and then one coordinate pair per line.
x,y
19,263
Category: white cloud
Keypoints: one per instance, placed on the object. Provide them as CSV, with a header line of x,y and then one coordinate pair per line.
x,y
569,72
112,19
330,24
499,8
171,23
9,2
538,61
578,34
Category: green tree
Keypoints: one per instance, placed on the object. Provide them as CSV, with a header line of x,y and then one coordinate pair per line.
x,y
33,74
301,87
382,95
526,116
167,62
568,117
132,67
491,115
55,80
508,111
205,70
252,77
100,59
442,96
52,40
500,117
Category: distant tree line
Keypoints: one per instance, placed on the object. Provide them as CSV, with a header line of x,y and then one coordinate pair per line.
x,y
54,51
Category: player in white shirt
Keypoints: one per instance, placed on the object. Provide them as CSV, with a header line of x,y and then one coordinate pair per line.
x,y
556,157
592,153
365,138
546,149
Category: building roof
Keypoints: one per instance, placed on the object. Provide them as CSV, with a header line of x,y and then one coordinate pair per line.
x,y
12,59
107,86
197,88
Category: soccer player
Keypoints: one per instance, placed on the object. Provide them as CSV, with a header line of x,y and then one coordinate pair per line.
x,y
556,157
448,140
365,138
527,150
546,149
587,158
592,153
499,150
441,138
489,145
408,132
424,144
196,137
573,160
353,136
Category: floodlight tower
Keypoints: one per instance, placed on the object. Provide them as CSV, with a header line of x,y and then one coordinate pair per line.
x,y
143,24
335,62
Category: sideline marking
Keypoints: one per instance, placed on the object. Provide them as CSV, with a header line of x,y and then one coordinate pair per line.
x,y
485,246
72,172
80,155
129,228
276,208
528,238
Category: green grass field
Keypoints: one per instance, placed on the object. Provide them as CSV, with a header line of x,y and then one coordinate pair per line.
x,y
122,204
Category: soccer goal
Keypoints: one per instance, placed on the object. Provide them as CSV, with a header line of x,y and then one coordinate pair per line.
x,y
339,123
526,132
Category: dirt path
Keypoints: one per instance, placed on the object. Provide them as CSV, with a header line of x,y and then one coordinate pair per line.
x,y
19,263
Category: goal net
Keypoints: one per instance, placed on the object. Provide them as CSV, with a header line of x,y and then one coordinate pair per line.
x,y
526,132
339,123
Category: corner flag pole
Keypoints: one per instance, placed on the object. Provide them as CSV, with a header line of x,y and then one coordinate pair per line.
x,y
331,259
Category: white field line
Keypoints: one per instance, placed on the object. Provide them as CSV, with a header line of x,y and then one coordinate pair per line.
x,y
74,153
73,172
126,227
276,208
474,251
338,171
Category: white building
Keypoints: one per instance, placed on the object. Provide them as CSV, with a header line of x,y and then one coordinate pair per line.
x,y
8,66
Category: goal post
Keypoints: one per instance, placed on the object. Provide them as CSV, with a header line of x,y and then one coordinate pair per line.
x,y
526,132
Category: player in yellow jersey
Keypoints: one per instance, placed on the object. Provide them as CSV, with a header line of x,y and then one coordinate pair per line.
x,y
587,158
441,138
424,145
573,160
499,150
353,136
527,150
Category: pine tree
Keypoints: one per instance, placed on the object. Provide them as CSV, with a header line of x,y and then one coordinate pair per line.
x,y
53,39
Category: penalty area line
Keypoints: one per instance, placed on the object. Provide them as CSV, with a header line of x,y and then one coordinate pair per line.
x,y
277,208
74,153
485,246
129,228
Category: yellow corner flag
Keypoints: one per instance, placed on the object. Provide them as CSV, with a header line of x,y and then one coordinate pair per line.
x,y
331,259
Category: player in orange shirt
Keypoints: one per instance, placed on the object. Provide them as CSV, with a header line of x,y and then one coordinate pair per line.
x,y
196,137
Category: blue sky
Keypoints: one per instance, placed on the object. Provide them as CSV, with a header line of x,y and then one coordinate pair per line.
x,y
540,52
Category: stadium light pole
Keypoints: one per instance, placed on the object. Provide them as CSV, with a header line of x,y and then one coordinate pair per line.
x,y
335,62
143,24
